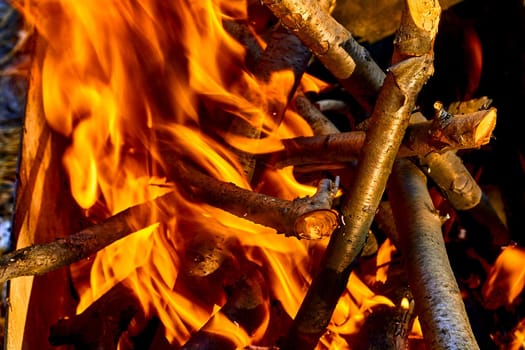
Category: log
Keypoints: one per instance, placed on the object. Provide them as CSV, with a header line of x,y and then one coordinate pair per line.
x,y
437,296
461,132
390,118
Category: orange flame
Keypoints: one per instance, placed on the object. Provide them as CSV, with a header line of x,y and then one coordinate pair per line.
x,y
506,278
127,82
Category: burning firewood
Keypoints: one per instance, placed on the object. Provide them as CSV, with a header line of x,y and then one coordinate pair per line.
x,y
390,118
307,218
438,299
342,55
463,131
333,45
204,256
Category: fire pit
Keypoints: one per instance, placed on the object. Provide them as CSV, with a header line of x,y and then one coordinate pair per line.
x,y
190,180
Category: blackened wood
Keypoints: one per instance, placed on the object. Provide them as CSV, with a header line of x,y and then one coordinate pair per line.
x,y
100,326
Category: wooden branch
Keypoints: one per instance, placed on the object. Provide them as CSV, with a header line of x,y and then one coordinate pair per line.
x,y
246,307
100,326
306,218
390,118
455,181
284,53
41,258
335,47
461,132
438,300
244,35
319,123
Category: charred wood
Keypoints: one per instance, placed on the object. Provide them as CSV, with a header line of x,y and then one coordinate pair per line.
x,y
100,326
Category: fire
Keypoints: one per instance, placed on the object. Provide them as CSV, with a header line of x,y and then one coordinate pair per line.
x,y
136,85
506,279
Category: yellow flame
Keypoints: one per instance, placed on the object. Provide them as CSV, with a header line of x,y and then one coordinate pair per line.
x,y
506,278
135,86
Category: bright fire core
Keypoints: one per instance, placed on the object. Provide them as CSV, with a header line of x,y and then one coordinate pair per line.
x,y
130,82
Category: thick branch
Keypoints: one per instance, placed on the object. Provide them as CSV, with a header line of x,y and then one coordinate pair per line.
x,y
308,217
390,118
462,132
333,45
438,300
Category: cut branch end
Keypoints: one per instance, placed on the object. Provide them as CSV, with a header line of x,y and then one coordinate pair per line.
x,y
485,128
